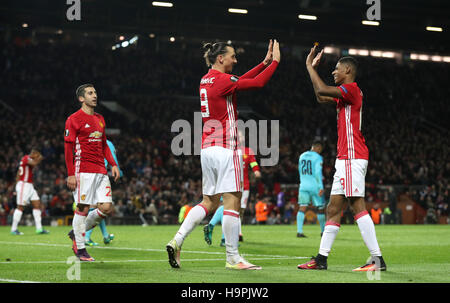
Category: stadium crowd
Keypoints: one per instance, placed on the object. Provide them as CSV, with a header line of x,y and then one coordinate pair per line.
x,y
404,115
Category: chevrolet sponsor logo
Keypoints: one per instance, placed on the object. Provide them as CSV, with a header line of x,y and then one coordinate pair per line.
x,y
96,134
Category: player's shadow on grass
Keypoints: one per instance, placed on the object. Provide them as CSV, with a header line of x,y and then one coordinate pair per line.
x,y
388,276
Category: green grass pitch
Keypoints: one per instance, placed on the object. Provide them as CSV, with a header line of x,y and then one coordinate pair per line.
x,y
413,253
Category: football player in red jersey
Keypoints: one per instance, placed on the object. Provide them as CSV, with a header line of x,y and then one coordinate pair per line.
x,y
85,150
220,158
25,192
351,163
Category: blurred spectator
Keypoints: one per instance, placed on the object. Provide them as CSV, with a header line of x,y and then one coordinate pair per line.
x,y
152,210
167,213
431,216
120,209
261,211
274,218
61,204
288,213
375,213
3,215
405,150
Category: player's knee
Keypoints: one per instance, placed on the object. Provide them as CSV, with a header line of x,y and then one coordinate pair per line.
x,y
357,205
210,205
332,210
36,204
83,208
105,208
320,210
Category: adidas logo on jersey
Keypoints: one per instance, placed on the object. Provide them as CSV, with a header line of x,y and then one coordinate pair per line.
x,y
87,126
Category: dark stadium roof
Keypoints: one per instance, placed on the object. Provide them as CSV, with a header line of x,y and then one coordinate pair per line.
x,y
339,21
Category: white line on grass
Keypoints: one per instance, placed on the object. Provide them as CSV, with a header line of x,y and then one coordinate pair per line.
x,y
150,249
18,281
134,261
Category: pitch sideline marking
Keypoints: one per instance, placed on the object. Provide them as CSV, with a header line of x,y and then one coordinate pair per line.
x,y
149,249
133,261
18,281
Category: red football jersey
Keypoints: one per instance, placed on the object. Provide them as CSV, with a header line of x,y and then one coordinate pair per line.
x,y
87,132
218,107
351,142
218,102
249,160
25,170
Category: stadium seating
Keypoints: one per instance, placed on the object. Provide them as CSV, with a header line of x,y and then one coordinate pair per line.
x,y
404,127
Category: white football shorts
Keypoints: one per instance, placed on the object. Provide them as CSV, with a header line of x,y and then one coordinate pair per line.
x,y
92,188
25,193
222,170
349,178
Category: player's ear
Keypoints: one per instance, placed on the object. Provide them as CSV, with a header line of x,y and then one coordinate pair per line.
x,y
348,69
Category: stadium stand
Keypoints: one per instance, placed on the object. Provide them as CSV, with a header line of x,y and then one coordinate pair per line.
x,y
404,123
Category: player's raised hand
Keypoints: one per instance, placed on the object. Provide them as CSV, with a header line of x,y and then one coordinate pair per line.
x,y
115,173
71,183
268,59
276,51
310,58
316,60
